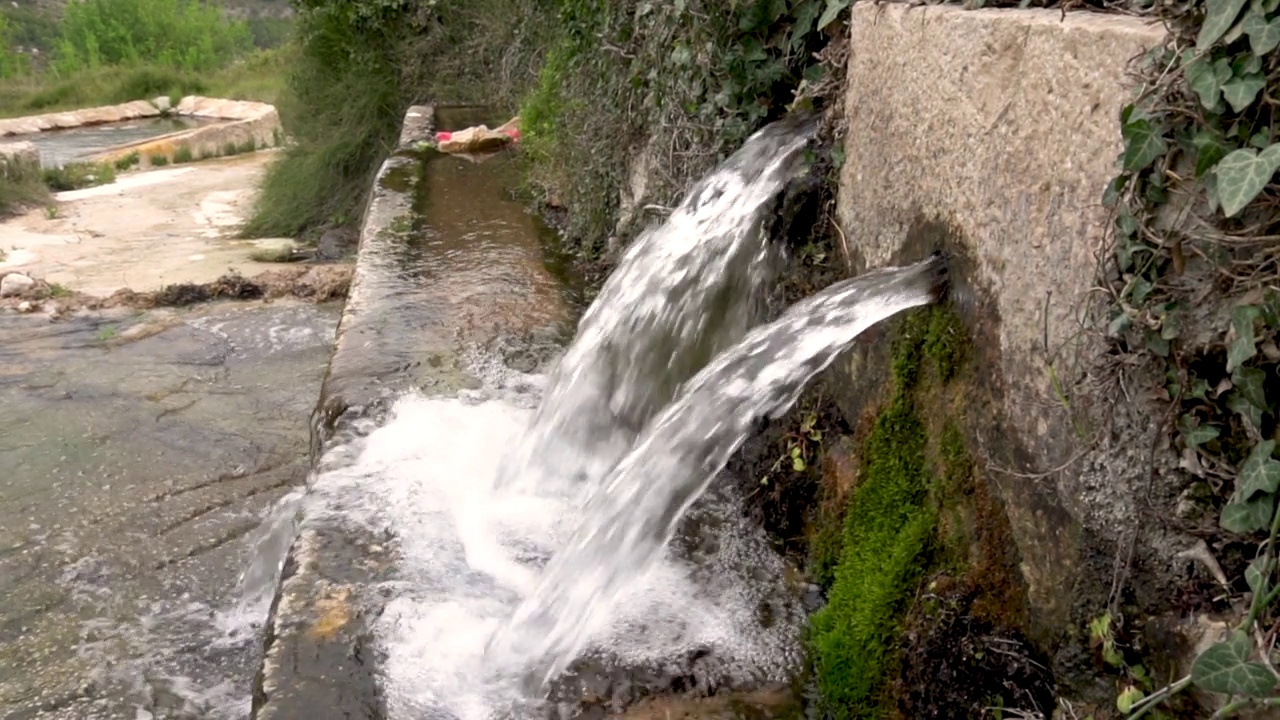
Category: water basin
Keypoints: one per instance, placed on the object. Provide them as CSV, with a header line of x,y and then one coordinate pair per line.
x,y
59,147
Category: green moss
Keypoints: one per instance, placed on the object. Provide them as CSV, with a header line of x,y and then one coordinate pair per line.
x,y
888,527
892,521
946,342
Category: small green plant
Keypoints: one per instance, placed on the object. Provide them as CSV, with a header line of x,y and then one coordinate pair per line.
x,y
107,333
802,446
183,155
159,160
51,211
247,146
133,159
74,176
58,291
229,149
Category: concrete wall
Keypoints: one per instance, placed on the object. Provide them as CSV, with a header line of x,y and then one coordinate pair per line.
x,y
993,134
249,126
77,118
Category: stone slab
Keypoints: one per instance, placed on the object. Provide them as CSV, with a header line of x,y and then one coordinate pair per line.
x,y
994,133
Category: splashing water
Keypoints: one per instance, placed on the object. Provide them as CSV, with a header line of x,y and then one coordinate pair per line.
x,y
683,292
518,566
631,514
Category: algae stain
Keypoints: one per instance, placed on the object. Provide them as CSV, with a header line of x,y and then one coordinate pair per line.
x,y
333,612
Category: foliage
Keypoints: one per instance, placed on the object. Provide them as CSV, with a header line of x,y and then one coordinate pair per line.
x,y
74,176
1197,262
131,160
887,527
12,62
257,77
20,188
682,83
182,34
359,66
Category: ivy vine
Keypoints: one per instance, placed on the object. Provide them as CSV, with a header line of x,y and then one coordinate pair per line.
x,y
1196,292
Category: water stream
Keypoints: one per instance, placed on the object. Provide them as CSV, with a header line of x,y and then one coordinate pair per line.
x,y
533,515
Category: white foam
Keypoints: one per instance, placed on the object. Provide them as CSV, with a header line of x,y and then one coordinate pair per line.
x,y
468,553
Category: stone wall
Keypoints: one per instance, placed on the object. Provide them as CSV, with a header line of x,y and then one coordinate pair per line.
x,y
992,134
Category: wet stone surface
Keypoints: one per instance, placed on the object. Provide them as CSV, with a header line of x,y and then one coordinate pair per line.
x,y
140,453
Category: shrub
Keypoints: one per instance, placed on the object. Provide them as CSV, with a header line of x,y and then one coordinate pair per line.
x,y
159,160
128,161
182,34
74,176
183,155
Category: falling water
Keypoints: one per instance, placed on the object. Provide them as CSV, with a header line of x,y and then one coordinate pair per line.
x,y
683,292
510,567
631,514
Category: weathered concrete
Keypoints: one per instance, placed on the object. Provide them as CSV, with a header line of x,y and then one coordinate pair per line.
x,y
77,118
144,231
139,453
250,126
993,133
421,287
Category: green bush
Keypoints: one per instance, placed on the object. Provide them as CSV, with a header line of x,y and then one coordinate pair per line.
x,y
128,161
359,66
692,78
159,160
183,155
182,34
74,176
12,62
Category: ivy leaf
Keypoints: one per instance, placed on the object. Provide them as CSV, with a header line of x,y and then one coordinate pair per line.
x,y
1111,195
1248,516
1242,91
1243,174
1263,36
803,25
1141,289
1206,78
1225,668
1242,348
1259,473
1194,433
1144,143
1210,148
1218,17
1256,575
1252,414
834,7
1251,384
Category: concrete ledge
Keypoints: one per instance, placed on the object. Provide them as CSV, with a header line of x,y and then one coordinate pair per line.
x,y
317,660
78,118
994,133
19,161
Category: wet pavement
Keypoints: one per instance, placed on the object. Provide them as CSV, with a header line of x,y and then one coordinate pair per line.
x,y
138,454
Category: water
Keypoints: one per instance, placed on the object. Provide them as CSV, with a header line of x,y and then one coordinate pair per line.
x,y
683,292
142,453
533,517
58,147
